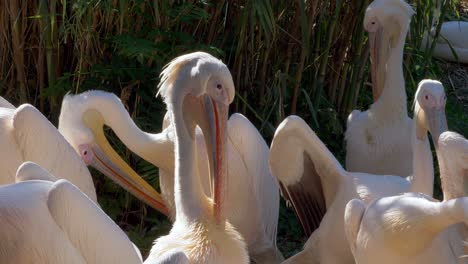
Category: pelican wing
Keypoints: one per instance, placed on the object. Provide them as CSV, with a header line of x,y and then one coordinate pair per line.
x,y
254,152
308,172
31,171
39,141
4,103
353,216
88,228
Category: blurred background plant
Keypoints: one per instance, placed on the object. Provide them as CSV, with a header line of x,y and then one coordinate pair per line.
x,y
308,58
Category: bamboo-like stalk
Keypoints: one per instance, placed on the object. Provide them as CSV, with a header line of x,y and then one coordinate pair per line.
x,y
17,31
305,29
439,21
48,31
5,47
359,77
324,63
349,22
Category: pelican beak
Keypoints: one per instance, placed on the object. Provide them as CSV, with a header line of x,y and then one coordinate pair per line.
x,y
377,63
101,156
437,123
214,127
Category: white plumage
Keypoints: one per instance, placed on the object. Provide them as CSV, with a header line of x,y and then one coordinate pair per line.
x,y
201,233
26,135
319,188
414,228
54,222
378,141
254,205
453,38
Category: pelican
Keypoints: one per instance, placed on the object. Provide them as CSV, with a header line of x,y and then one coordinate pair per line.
x,y
253,207
26,135
378,141
5,104
453,38
45,220
412,227
319,188
197,89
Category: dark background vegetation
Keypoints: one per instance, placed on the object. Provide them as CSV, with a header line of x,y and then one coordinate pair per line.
x,y
287,57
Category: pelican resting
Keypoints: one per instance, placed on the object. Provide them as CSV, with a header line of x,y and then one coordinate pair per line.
x,y
378,141
452,43
26,135
412,227
44,220
319,188
253,207
198,89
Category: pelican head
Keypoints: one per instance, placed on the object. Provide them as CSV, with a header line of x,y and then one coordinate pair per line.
x,y
198,89
82,125
387,22
430,109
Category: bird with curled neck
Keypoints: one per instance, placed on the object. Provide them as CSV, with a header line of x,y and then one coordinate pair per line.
x,y
197,89
413,227
254,203
378,140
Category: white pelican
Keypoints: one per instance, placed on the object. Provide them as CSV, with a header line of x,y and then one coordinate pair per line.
x,y
453,37
414,228
253,207
5,104
378,141
319,188
43,221
198,89
26,135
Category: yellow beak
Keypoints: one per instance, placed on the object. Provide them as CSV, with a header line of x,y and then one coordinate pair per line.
x,y
103,157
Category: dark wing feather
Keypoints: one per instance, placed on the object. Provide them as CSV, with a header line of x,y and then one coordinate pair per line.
x,y
308,173
307,198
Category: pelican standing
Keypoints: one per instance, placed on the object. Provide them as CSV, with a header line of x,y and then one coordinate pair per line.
x,y
414,228
26,135
378,141
198,89
253,206
319,188
51,221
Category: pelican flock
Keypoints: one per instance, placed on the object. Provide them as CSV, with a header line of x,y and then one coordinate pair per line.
x,y
413,227
319,188
220,182
255,206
